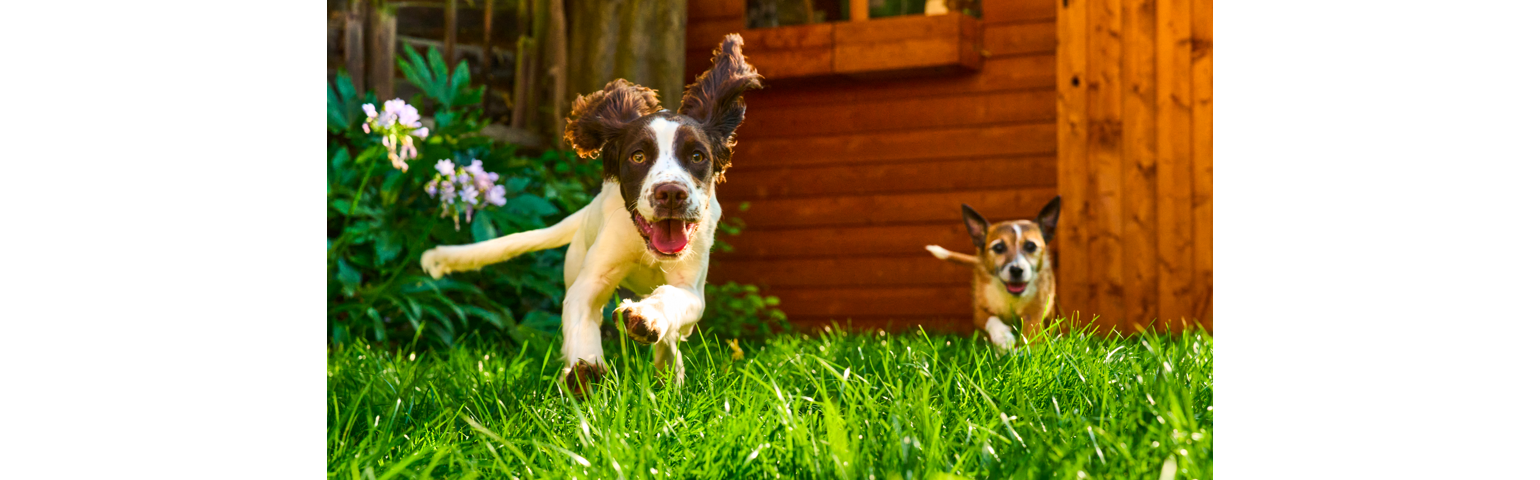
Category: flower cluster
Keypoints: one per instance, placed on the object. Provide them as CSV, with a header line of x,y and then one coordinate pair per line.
x,y
465,189
396,126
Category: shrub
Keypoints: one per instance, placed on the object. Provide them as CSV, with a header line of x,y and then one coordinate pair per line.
x,y
381,217
390,196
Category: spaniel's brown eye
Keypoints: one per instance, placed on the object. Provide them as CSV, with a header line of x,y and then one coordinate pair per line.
x,y
1029,246
999,248
697,157
638,157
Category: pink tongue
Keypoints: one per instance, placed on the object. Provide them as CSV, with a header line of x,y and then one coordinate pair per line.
x,y
669,236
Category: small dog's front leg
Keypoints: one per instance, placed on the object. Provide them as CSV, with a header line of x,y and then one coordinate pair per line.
x,y
999,333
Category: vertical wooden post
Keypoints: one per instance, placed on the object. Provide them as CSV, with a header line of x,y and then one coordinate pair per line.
x,y
1139,182
451,22
486,42
1173,153
556,49
1104,86
859,10
382,53
1203,155
1073,272
353,52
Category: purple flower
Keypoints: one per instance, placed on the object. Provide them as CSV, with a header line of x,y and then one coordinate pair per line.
x,y
432,189
369,110
445,167
408,116
468,195
421,133
463,179
495,195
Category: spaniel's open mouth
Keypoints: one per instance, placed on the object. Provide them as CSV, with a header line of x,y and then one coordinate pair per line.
x,y
1015,287
665,236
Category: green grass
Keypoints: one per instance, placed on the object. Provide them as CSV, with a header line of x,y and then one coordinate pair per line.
x,y
832,405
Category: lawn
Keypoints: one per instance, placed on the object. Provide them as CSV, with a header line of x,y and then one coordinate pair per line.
x,y
831,405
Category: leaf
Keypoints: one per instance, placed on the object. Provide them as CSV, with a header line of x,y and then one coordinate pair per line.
x,y
386,247
527,204
388,189
340,159
516,184
482,229
488,315
345,85
347,274
379,326
461,78
436,62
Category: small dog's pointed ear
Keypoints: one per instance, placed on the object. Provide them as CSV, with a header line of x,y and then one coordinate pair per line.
x,y
598,117
978,227
1048,219
716,98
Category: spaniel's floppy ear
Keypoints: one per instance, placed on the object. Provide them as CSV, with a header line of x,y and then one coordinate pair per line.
x,y
716,98
978,227
598,117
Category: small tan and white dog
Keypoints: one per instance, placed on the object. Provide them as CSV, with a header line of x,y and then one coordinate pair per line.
x,y
650,228
1012,272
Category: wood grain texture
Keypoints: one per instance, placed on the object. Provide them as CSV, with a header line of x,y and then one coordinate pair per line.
x,y
703,9
1139,163
707,34
1033,72
382,53
907,42
1073,276
844,241
1020,10
881,209
920,269
1203,156
881,147
1105,84
841,303
972,108
922,176
1020,38
1174,211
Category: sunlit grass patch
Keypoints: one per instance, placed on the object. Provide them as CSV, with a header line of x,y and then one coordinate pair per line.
x,y
832,405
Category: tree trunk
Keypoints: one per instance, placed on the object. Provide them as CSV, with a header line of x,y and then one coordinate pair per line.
x,y
556,58
638,40
382,53
451,27
353,54
486,47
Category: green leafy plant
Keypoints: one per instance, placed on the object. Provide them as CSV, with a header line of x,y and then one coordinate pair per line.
x,y
380,220
736,310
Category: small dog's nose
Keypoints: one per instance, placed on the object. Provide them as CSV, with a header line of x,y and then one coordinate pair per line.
x,y
1015,271
669,196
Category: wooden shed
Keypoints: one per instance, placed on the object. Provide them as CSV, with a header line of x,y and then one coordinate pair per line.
x,y
871,133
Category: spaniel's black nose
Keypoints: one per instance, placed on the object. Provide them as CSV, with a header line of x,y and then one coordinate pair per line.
x,y
669,196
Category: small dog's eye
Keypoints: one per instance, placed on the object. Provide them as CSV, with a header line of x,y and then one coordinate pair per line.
x,y
638,157
697,157
998,248
1029,247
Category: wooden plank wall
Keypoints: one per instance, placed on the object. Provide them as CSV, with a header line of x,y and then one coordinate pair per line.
x,y
848,179
1136,161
